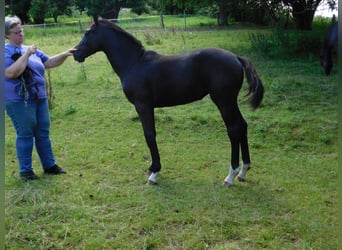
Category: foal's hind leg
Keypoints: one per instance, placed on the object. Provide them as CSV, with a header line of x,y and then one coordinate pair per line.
x,y
240,132
146,114
245,152
237,132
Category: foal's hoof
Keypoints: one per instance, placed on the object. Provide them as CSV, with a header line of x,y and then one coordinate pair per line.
x,y
152,180
231,176
149,182
242,174
227,184
242,179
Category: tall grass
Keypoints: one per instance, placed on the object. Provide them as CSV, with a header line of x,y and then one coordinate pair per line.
x,y
278,41
289,201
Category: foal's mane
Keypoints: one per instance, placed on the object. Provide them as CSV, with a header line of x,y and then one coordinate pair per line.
x,y
116,28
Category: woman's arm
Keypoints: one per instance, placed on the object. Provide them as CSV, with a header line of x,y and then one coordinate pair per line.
x,y
58,59
18,67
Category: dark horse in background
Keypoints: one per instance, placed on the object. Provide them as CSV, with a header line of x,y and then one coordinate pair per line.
x,y
330,45
151,80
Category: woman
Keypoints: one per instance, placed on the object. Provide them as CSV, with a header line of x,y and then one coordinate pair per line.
x,y
26,99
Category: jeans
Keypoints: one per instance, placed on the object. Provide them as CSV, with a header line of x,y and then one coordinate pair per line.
x,y
31,121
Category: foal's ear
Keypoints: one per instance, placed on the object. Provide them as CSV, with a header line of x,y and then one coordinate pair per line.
x,y
96,19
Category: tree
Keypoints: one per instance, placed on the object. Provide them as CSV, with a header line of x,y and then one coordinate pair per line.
x,y
38,10
57,8
249,11
302,11
223,7
109,9
223,12
19,8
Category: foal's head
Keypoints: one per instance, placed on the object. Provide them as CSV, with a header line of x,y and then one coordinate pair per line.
x,y
104,35
326,61
91,43
330,44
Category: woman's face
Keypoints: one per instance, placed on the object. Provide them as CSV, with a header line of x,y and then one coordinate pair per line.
x,y
16,35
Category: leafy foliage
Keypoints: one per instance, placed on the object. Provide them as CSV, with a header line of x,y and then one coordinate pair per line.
x,y
110,9
20,8
38,10
260,12
302,11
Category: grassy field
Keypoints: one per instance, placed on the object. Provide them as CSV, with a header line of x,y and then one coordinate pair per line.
x,y
289,201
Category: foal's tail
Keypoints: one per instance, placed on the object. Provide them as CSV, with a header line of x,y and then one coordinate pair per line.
x,y
255,85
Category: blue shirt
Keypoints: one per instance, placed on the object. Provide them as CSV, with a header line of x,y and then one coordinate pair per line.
x,y
36,64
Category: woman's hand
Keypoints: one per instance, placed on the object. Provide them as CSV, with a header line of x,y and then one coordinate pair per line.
x,y
31,50
18,67
69,52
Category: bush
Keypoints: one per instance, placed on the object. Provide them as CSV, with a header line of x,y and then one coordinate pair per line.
x,y
308,42
280,42
261,43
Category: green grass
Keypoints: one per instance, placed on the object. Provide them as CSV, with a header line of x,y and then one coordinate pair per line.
x,y
289,201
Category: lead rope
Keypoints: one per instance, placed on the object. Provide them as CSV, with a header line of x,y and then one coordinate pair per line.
x,y
24,89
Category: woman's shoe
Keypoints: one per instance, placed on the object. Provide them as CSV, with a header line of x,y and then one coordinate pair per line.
x,y
54,170
30,175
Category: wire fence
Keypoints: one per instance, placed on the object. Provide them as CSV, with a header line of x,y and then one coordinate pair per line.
x,y
184,21
146,22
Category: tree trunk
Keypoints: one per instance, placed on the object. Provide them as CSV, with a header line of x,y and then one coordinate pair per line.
x,y
112,13
223,17
117,9
55,17
303,12
303,19
38,19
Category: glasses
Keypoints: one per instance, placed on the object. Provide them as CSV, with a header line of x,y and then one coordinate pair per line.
x,y
17,32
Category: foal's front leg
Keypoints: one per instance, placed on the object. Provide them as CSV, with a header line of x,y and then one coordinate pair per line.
x,y
146,114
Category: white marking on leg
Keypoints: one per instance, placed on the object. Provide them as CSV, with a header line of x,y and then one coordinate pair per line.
x,y
242,174
153,178
232,174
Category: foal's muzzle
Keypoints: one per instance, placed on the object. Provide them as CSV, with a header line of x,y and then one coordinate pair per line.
x,y
77,57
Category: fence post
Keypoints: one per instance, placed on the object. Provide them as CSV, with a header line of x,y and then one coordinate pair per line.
x,y
80,24
184,14
162,20
49,89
